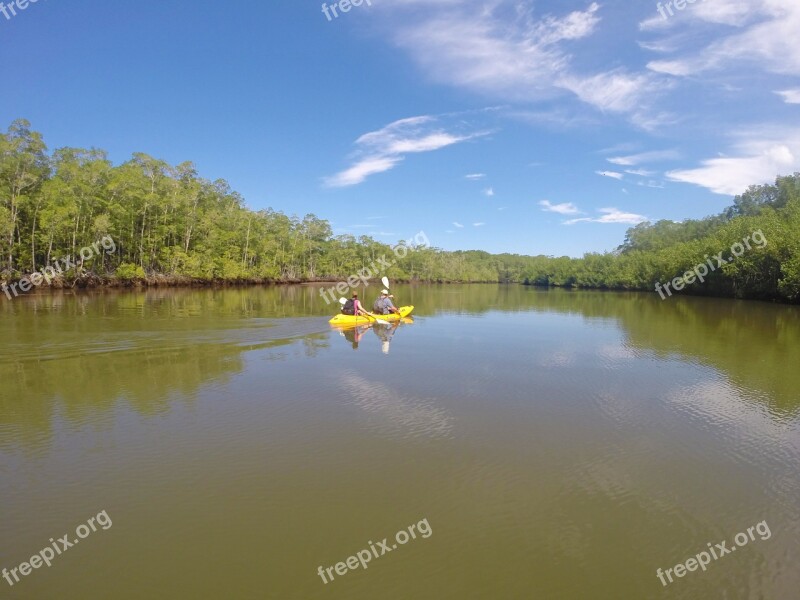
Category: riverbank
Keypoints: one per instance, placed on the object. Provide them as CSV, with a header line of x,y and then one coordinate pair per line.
x,y
93,281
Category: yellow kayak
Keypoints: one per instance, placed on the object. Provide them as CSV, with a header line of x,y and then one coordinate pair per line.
x,y
341,319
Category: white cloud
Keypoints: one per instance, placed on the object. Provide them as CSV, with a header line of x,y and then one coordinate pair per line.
x,y
760,159
474,176
640,172
651,183
611,215
574,26
730,12
790,96
479,224
506,50
565,208
615,91
457,224
762,33
489,192
612,174
644,157
363,169
382,150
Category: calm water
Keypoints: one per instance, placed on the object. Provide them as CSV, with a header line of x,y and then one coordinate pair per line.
x,y
558,445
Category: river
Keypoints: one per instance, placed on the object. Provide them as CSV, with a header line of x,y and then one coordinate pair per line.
x,y
526,444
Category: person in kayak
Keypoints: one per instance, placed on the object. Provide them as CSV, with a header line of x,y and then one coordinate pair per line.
x,y
384,305
354,307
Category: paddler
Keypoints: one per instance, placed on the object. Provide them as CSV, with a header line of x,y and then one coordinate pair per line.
x,y
359,308
353,306
383,304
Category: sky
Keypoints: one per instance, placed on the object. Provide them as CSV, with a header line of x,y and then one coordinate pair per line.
x,y
532,127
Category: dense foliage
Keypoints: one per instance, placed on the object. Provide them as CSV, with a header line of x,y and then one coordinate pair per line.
x,y
665,250
167,220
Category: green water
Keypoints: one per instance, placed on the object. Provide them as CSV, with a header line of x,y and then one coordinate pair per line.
x,y
553,444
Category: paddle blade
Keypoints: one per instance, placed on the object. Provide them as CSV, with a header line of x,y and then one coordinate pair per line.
x,y
385,282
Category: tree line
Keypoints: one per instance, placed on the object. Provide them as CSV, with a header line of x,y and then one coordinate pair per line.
x,y
169,222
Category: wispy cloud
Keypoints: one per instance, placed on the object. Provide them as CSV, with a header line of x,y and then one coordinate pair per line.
x,y
382,150
508,50
479,224
362,169
474,176
457,224
610,215
612,174
644,157
565,208
761,157
640,172
489,192
790,96
615,91
762,32
651,183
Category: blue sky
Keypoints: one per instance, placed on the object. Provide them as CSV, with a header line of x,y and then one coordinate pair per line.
x,y
536,127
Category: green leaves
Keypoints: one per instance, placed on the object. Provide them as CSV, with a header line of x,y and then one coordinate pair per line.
x,y
168,220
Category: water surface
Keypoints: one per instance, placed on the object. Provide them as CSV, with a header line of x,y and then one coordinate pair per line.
x,y
559,444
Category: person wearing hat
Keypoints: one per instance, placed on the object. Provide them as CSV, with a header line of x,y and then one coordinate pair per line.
x,y
384,305
354,306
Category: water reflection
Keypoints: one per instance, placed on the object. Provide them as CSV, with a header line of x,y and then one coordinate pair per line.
x,y
384,333
354,335
391,412
86,351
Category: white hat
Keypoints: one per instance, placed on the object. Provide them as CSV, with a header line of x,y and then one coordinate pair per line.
x,y
385,292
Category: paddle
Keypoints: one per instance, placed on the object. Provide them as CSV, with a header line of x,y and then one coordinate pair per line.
x,y
369,315
377,320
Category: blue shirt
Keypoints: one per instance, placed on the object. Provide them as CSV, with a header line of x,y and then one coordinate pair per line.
x,y
383,304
